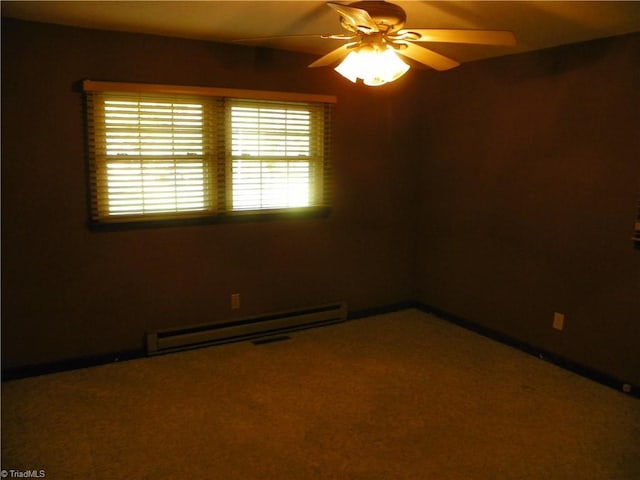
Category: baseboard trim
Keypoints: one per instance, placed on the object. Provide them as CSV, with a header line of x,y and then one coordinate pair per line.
x,y
16,373
545,355
36,370
381,310
558,360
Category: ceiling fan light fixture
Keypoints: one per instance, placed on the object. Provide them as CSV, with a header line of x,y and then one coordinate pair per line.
x,y
349,68
373,64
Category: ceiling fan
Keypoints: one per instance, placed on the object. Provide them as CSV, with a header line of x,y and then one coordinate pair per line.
x,y
376,34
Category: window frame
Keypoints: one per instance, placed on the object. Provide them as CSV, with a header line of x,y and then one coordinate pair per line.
x,y
220,160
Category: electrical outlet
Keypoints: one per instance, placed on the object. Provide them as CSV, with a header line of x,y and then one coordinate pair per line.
x,y
558,321
235,301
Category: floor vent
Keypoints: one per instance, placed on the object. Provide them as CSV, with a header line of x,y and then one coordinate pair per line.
x,y
267,340
194,336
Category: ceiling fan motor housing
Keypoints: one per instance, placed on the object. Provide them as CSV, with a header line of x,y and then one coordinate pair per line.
x,y
378,27
387,16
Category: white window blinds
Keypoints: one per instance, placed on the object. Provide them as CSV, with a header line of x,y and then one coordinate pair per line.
x,y
154,155
277,152
150,155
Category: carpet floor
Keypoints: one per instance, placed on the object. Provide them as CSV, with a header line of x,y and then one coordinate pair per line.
x,y
403,395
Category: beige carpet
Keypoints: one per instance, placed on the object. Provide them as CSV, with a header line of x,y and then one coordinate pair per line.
x,y
396,396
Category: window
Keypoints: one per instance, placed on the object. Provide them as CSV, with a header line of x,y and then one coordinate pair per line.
x,y
275,159
155,154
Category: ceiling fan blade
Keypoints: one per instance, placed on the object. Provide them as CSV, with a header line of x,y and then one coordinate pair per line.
x,y
333,56
340,37
357,17
427,57
483,37
279,37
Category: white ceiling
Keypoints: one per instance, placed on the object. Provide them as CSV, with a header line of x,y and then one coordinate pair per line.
x,y
536,24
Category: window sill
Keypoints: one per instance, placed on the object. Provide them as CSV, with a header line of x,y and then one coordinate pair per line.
x,y
227,217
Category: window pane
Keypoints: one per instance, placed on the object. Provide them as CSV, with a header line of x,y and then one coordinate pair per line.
x,y
154,187
153,156
153,128
271,151
270,132
270,184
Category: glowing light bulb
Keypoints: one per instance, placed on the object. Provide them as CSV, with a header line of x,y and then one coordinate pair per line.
x,y
350,66
373,64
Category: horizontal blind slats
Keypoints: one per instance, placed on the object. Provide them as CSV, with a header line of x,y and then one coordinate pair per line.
x,y
150,154
167,155
274,153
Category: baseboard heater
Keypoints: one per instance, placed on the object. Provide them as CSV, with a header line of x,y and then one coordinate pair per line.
x,y
194,336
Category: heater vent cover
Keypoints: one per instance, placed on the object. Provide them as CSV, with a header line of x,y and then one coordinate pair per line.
x,y
183,338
